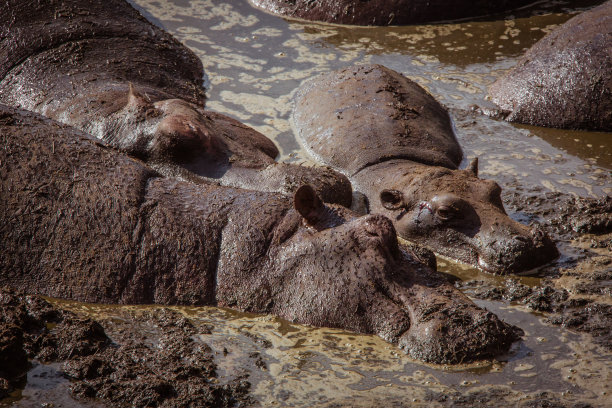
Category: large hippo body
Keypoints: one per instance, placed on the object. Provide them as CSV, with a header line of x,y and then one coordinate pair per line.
x,y
386,12
82,221
396,144
103,68
565,79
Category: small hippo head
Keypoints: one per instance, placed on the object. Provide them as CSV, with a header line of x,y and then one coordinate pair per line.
x,y
173,130
461,216
331,268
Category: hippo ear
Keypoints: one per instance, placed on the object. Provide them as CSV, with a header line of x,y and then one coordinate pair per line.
x,y
136,101
473,166
307,202
391,199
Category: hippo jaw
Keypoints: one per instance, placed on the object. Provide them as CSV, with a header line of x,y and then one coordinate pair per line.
x,y
462,217
344,271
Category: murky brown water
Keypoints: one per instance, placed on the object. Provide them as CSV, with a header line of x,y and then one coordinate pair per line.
x,y
254,62
299,366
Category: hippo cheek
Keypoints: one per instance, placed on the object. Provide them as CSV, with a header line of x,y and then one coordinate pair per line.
x,y
514,250
415,222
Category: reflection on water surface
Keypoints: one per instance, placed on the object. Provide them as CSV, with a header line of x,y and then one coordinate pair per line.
x,y
306,366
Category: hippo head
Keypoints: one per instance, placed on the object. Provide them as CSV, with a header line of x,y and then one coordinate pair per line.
x,y
155,129
461,216
331,268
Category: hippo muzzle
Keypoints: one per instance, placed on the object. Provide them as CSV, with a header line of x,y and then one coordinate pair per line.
x,y
501,251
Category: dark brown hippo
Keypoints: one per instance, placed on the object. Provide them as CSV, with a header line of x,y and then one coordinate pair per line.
x,y
103,68
565,79
82,221
386,12
396,144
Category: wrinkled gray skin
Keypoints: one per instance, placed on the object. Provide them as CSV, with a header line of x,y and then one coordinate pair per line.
x,y
396,144
565,79
386,12
82,221
101,67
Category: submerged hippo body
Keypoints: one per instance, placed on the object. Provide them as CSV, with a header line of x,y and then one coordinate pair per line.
x,y
82,221
103,68
565,79
397,146
385,12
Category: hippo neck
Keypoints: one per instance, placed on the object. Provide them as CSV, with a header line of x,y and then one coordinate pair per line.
x,y
368,182
420,158
385,168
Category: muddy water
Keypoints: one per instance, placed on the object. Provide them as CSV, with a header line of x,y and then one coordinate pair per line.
x,y
254,62
293,365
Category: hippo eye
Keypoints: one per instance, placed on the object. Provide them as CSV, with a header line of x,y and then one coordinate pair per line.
x,y
445,212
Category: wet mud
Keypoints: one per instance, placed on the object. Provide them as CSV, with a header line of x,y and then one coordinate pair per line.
x,y
204,356
153,358
558,179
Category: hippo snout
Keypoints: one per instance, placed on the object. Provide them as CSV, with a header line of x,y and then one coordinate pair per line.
x,y
457,333
524,250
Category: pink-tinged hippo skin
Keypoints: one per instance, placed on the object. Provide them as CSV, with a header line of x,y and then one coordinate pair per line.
x,y
103,68
565,79
386,12
396,144
82,221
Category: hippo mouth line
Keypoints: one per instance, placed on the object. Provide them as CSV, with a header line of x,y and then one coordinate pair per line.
x,y
513,268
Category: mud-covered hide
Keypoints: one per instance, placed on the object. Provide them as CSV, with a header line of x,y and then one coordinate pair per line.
x,y
565,79
385,12
55,50
359,116
82,221
104,69
397,145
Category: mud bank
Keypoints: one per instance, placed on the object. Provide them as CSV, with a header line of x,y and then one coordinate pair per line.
x,y
249,360
152,359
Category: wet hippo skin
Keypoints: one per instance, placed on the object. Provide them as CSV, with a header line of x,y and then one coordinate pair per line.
x,y
83,221
385,12
396,144
103,68
565,79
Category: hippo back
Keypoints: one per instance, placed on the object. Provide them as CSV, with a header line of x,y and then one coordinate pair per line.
x,y
55,51
359,116
82,221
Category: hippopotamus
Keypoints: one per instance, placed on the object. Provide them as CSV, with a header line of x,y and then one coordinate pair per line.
x,y
103,68
565,79
83,221
384,12
396,144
